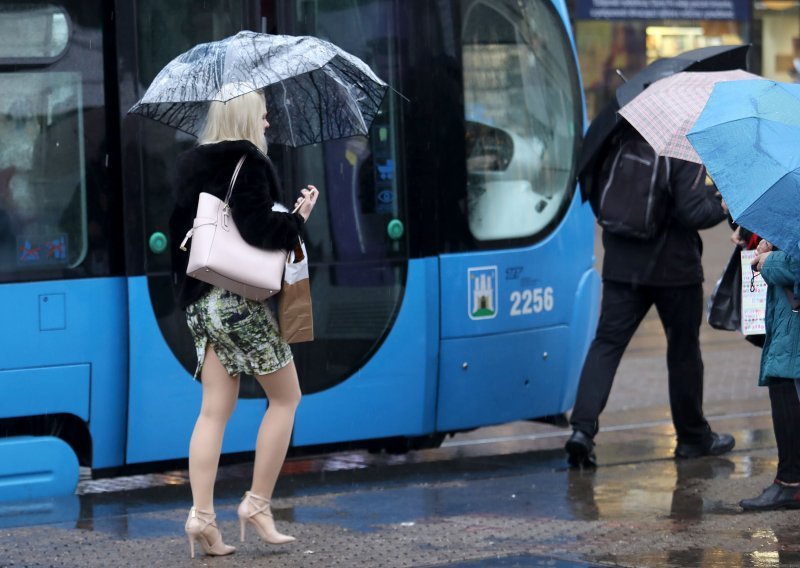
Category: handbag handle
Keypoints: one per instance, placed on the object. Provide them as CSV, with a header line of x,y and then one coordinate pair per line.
x,y
225,207
233,179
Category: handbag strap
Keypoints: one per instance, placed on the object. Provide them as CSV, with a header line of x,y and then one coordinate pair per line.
x,y
225,206
233,179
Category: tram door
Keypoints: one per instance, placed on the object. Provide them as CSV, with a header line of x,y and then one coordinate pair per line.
x,y
162,397
355,239
507,299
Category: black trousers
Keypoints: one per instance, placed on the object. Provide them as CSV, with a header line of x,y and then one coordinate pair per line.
x,y
622,309
786,423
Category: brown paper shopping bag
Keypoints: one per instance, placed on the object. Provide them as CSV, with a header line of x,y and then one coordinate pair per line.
x,y
295,315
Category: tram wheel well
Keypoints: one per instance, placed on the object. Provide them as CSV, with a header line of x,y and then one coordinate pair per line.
x,y
67,427
405,444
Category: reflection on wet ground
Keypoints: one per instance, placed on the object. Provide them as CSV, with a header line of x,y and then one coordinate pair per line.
x,y
485,504
524,561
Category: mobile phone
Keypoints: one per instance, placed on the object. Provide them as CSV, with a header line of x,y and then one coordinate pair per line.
x,y
299,205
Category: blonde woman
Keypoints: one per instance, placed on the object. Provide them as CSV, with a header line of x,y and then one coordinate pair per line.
x,y
232,334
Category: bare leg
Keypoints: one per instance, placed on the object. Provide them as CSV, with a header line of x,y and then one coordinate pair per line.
x,y
220,392
283,390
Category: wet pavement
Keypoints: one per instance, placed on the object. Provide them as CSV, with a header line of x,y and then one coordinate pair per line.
x,y
496,497
503,497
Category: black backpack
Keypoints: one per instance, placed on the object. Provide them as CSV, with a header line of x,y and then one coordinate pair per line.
x,y
633,197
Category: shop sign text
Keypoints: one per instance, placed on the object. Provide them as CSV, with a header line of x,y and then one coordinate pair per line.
x,y
662,9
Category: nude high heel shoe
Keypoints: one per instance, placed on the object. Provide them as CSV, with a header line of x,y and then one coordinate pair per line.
x,y
253,505
201,527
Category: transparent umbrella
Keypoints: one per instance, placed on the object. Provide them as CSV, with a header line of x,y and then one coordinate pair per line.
x,y
314,90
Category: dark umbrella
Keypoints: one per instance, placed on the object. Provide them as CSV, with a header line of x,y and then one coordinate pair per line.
x,y
314,90
607,122
595,140
715,58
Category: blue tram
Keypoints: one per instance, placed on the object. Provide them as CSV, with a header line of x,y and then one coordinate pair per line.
x,y
451,258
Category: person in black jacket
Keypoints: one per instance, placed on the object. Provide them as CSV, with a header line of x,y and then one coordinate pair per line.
x,y
665,271
233,334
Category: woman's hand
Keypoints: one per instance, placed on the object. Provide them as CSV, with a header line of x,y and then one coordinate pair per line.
x,y
758,262
306,201
763,246
736,237
763,250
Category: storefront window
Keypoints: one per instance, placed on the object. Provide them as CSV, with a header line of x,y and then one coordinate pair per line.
x,y
615,44
779,40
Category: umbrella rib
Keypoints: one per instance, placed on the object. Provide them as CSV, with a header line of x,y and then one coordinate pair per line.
x,y
303,116
319,114
288,114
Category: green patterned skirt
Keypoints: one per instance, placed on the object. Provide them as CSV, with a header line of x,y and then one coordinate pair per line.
x,y
244,333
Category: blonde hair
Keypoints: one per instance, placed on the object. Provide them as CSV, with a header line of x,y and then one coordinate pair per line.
x,y
237,119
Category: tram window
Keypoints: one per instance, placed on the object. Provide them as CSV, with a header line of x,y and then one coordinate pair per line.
x,y
42,174
522,120
32,34
166,29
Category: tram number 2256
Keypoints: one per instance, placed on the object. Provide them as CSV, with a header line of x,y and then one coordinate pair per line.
x,y
537,300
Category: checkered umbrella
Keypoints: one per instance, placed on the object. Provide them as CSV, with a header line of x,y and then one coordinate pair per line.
x,y
606,123
665,112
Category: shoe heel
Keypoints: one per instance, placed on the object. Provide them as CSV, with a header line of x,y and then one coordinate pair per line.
x,y
242,525
191,546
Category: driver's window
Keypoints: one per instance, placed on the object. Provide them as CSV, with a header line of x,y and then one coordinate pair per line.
x,y
42,178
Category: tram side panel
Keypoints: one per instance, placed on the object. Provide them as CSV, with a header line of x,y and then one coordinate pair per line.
x,y
62,366
394,393
63,332
515,328
518,307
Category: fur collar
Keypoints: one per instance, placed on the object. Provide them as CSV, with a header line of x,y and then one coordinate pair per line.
x,y
212,165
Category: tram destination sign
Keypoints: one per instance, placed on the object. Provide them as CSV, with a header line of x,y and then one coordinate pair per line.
x,y
662,10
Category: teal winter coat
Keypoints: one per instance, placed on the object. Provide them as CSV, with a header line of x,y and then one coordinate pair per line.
x,y
781,354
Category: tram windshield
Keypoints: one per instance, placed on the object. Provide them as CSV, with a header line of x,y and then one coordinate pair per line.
x,y
522,120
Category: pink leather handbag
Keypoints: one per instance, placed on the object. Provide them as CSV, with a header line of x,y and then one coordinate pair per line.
x,y
220,256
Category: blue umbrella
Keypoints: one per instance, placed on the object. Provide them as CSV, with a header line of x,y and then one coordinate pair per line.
x,y
748,137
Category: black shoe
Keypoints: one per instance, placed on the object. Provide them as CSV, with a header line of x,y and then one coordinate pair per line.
x,y
580,450
776,496
715,445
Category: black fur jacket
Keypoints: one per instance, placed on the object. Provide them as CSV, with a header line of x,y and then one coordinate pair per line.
x,y
208,168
